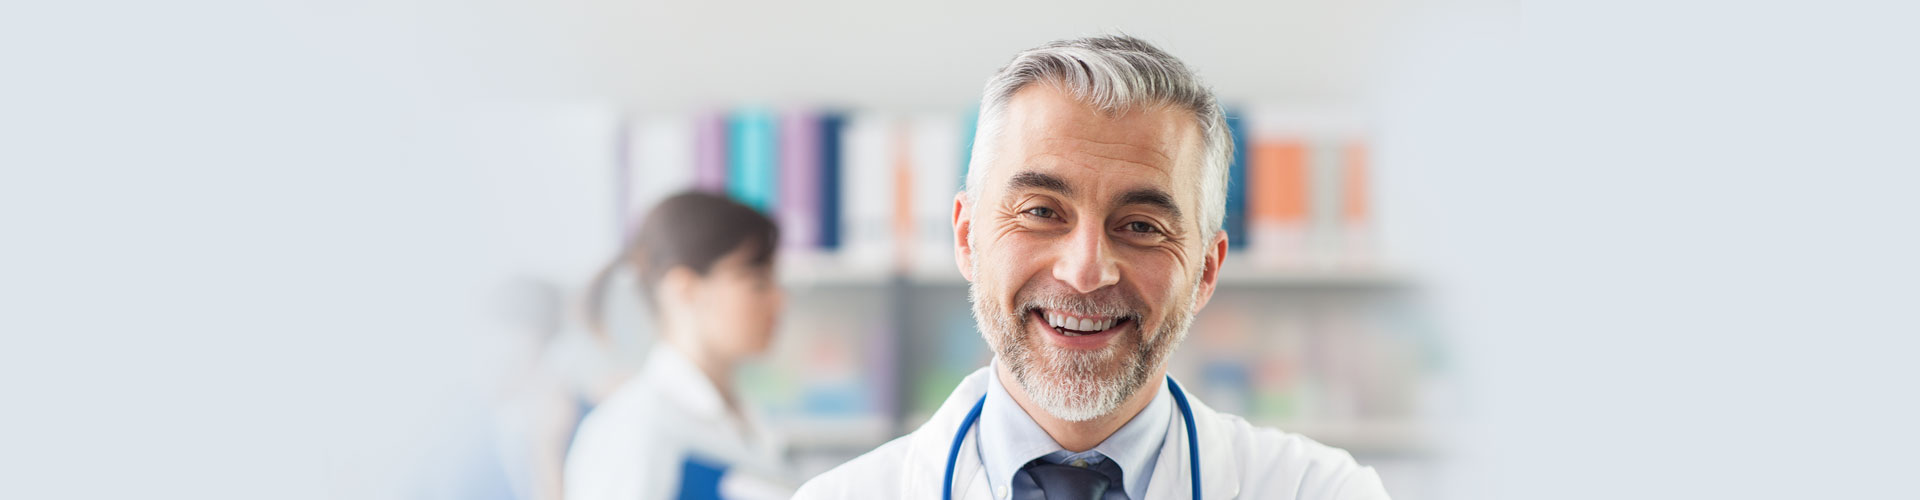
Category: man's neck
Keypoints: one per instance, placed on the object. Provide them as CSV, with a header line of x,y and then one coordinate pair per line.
x,y
1078,437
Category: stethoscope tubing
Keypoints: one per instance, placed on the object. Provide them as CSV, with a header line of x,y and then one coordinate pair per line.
x,y
1179,398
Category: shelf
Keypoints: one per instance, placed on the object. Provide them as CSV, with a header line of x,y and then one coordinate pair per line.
x,y
833,433
1361,437
828,271
1313,278
833,277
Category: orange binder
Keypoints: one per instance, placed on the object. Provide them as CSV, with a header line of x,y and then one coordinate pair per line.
x,y
1277,182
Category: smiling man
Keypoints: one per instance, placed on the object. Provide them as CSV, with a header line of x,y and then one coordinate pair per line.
x,y
1089,230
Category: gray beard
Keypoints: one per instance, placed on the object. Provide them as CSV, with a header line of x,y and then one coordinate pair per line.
x,y
1072,385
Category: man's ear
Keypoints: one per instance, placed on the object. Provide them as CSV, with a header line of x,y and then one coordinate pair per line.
x,y
1216,255
962,235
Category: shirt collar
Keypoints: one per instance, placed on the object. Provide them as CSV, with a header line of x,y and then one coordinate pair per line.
x,y
1009,438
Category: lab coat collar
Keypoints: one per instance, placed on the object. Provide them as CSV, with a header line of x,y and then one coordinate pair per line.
x,y
927,462
677,379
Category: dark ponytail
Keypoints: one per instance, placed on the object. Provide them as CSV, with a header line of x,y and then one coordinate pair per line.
x,y
693,230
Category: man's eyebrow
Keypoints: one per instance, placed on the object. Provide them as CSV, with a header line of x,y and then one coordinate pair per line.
x,y
1037,180
1150,197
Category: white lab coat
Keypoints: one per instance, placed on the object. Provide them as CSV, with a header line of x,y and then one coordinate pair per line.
x,y
634,445
1238,461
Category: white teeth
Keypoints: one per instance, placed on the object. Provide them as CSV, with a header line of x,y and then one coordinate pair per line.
x,y
1079,324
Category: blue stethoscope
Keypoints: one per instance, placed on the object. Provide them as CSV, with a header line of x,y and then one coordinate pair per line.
x,y
1179,398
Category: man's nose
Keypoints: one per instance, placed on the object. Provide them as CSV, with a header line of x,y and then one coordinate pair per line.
x,y
1086,260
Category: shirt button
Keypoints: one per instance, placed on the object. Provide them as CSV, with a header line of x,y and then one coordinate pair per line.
x,y
1080,463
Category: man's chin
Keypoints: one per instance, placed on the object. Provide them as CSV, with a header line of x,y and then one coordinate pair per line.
x,y
1075,390
1074,400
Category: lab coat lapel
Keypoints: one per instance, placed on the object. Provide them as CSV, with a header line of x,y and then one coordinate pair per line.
x,y
1172,472
926,465
969,472
1220,472
975,488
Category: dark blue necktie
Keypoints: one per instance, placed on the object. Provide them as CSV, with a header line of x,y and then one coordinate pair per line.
x,y
1066,482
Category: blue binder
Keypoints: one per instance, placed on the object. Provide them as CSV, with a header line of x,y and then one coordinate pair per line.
x,y
700,479
1236,220
831,126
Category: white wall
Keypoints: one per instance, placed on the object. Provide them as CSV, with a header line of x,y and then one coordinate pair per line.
x,y
931,56
1672,242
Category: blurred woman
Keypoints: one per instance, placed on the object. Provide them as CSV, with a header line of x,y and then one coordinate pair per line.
x,y
678,428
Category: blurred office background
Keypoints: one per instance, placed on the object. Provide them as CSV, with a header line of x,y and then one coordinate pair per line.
x,y
1496,249
856,138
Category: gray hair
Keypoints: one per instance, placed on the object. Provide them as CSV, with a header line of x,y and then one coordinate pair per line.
x,y
1112,73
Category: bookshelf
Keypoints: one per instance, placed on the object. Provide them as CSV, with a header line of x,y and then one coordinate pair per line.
x,y
878,330
825,272
927,317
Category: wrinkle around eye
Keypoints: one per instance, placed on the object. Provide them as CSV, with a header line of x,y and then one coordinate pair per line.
x,y
1021,209
1008,219
1152,227
1160,229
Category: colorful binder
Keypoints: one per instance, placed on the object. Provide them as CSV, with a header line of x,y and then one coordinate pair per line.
x,y
710,152
1236,219
751,168
832,132
1277,200
799,166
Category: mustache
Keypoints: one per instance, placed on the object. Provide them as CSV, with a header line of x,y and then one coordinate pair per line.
x,y
1107,302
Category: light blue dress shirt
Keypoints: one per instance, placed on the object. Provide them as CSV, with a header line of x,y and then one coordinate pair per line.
x,y
1009,439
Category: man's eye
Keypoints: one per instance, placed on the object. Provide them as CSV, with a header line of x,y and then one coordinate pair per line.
x,y
1041,212
1142,227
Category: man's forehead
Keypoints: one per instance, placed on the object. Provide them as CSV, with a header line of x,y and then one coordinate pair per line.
x,y
1046,118
1074,175
1049,130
